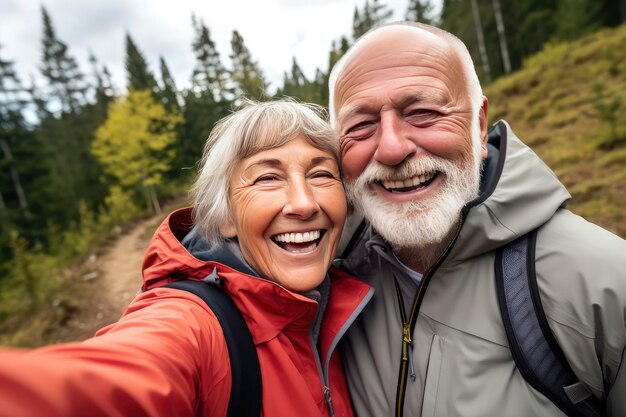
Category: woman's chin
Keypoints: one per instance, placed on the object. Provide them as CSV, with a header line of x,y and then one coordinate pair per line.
x,y
301,280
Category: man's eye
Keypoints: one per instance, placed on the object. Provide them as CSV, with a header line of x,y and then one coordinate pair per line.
x,y
361,129
361,125
422,116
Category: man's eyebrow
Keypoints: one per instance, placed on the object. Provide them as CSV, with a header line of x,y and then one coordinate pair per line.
x,y
355,108
438,98
365,107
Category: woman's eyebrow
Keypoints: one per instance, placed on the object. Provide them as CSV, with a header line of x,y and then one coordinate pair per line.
x,y
321,159
272,162
277,163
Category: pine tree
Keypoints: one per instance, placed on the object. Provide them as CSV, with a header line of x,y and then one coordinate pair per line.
x,y
373,14
65,81
357,23
209,75
67,124
321,87
65,131
296,84
12,130
538,22
24,166
169,96
245,74
134,145
107,80
337,51
294,81
419,11
577,18
103,94
208,99
168,93
138,74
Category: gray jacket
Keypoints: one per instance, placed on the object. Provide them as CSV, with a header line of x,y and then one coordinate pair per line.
x,y
460,363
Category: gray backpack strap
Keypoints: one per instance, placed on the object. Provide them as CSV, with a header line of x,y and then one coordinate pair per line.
x,y
534,348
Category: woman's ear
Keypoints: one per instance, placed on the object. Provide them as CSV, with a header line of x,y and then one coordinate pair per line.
x,y
228,229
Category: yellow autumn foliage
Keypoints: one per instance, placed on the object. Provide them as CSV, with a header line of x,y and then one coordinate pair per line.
x,y
134,144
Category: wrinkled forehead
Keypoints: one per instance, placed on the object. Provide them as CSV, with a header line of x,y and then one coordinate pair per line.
x,y
397,45
397,38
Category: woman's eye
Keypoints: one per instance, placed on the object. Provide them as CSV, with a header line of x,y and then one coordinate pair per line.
x,y
322,174
266,178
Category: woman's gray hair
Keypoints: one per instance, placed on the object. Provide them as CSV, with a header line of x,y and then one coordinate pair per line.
x,y
251,129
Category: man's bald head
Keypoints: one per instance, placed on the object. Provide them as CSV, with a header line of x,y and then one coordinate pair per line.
x,y
393,35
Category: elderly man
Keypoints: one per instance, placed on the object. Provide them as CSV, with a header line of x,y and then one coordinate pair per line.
x,y
441,196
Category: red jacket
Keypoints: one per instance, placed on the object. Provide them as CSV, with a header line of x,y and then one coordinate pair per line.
x,y
167,355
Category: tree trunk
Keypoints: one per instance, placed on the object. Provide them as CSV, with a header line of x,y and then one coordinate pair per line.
x,y
17,185
504,49
155,201
3,206
481,41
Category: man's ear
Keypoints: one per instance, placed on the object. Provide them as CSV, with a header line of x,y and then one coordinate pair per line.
x,y
482,120
228,229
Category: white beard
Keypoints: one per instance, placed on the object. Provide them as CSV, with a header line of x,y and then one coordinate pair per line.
x,y
427,221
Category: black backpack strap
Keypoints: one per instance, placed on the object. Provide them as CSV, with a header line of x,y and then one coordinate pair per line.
x,y
534,348
245,394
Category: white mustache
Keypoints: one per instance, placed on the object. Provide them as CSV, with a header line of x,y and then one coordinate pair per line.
x,y
375,171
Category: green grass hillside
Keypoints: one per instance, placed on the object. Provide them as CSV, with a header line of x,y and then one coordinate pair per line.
x,y
569,104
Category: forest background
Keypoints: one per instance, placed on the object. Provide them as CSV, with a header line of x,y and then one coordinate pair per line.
x,y
81,157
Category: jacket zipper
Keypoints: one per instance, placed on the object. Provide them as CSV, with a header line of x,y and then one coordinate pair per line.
x,y
316,356
409,325
342,330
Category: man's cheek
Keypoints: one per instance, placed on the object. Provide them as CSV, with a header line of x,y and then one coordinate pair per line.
x,y
353,165
355,159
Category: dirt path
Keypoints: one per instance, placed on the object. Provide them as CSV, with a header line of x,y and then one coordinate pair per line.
x,y
106,284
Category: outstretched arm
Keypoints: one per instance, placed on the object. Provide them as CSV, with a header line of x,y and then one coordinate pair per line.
x,y
165,357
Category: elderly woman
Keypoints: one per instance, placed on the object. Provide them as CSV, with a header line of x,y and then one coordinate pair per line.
x,y
269,201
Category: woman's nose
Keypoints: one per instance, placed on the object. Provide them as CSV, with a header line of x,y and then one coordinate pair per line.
x,y
301,201
394,146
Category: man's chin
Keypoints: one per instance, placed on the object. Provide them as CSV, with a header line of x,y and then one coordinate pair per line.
x,y
409,224
418,218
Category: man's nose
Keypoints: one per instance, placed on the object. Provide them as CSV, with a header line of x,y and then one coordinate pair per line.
x,y
301,202
394,145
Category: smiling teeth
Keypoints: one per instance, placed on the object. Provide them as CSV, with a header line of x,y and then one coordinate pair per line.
x,y
409,182
307,249
298,237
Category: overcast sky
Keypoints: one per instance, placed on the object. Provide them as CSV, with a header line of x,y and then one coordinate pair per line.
x,y
273,30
